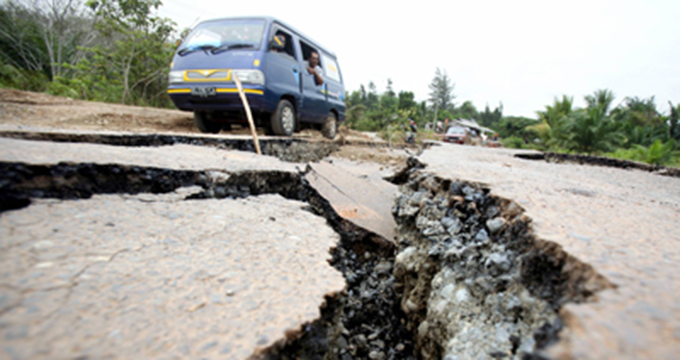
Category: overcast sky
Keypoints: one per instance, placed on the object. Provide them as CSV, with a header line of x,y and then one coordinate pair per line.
x,y
521,53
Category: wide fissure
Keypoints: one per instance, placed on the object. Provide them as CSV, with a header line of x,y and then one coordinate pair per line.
x,y
477,283
466,279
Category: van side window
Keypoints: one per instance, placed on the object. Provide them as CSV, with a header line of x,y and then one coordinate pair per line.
x,y
330,68
288,49
307,51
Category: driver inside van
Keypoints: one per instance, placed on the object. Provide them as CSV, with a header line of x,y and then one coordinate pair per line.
x,y
281,40
314,69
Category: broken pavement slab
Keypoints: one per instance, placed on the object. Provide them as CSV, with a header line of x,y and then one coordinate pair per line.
x,y
101,266
151,276
176,157
362,199
622,222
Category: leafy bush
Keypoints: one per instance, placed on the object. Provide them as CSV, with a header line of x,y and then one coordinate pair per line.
x,y
625,154
659,153
13,77
513,142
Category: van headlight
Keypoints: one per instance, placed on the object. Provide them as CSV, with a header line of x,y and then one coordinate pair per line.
x,y
249,76
176,77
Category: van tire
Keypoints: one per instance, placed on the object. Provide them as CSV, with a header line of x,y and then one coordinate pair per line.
x,y
330,126
204,125
283,119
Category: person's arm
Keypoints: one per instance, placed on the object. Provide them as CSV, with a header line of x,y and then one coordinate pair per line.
x,y
318,75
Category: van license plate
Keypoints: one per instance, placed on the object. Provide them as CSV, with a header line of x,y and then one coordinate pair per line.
x,y
203,91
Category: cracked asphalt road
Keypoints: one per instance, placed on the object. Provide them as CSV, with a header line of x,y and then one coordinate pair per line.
x,y
625,223
122,275
155,276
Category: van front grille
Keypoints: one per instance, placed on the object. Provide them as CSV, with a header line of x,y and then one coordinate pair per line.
x,y
207,75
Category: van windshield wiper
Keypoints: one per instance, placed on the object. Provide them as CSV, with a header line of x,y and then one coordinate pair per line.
x,y
190,49
229,47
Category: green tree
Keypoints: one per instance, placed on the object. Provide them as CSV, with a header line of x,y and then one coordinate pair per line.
x,y
65,28
406,100
354,114
353,99
24,63
390,90
21,42
600,99
674,122
389,102
589,131
466,110
515,126
488,117
377,111
44,35
640,121
132,65
442,115
638,112
441,92
550,129
372,98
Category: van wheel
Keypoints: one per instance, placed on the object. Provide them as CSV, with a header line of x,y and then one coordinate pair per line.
x,y
205,125
283,119
330,126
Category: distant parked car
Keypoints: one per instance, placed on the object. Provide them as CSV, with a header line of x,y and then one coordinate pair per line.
x,y
456,134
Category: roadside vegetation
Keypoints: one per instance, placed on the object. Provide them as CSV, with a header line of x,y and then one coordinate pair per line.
x,y
120,51
633,130
103,50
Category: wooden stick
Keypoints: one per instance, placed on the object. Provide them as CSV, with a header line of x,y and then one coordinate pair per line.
x,y
248,113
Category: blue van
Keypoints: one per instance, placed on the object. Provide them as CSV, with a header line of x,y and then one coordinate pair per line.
x,y
272,60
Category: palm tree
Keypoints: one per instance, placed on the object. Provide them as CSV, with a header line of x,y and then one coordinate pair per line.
x,y
589,131
552,121
639,112
674,122
601,99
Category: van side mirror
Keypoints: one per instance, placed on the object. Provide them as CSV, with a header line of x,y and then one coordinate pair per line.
x,y
278,43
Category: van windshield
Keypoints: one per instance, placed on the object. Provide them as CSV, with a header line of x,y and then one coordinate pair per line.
x,y
224,35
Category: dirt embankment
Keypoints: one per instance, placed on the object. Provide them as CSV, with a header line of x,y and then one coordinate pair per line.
x,y
35,110
22,110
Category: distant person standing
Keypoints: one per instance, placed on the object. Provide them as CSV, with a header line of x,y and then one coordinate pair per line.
x,y
410,135
439,127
